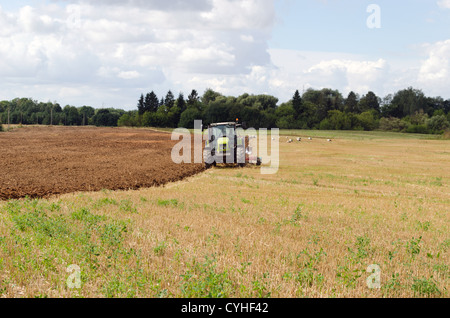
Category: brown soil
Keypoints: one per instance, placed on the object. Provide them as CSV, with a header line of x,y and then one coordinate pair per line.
x,y
45,161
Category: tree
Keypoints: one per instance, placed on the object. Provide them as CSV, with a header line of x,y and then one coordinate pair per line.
x,y
72,117
217,111
369,102
193,98
151,102
173,117
252,117
351,103
266,102
170,100
368,120
86,112
285,116
141,105
287,122
437,124
106,117
333,99
124,121
188,117
268,119
260,102
194,101
407,102
235,110
309,119
313,96
130,119
297,104
181,103
336,120
285,109
326,99
154,119
209,96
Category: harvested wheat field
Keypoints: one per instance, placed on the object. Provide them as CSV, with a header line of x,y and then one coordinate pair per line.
x,y
45,161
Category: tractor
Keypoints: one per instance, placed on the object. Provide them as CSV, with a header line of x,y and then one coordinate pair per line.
x,y
226,143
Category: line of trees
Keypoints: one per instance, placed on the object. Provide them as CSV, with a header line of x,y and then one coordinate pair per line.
x,y
256,110
27,111
408,110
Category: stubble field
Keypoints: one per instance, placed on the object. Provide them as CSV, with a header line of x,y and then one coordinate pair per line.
x,y
333,210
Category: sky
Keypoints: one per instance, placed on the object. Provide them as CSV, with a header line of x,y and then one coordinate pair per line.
x,y
105,53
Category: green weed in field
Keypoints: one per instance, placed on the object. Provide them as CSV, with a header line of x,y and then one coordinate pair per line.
x,y
168,203
424,226
104,202
413,246
393,284
349,277
112,233
160,248
86,216
427,287
437,182
298,215
127,206
308,275
213,237
244,200
443,269
201,280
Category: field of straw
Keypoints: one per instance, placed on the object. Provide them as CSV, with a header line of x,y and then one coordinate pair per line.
x,y
333,213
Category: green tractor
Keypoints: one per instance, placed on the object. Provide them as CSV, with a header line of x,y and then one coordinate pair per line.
x,y
226,143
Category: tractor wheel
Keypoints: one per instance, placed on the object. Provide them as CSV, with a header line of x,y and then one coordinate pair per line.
x,y
209,160
240,156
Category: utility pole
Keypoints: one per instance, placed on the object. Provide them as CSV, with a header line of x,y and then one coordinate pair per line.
x,y
51,116
8,116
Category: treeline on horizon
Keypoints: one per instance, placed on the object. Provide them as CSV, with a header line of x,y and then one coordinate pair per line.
x,y
408,110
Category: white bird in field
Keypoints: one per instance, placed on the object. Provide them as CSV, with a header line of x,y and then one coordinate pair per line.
x,y
309,138
299,139
329,140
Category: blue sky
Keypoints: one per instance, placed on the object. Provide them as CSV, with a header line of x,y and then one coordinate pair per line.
x,y
108,52
340,26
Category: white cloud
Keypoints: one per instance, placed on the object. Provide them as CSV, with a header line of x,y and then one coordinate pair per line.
x,y
345,72
445,4
292,70
129,75
434,73
133,46
240,14
356,75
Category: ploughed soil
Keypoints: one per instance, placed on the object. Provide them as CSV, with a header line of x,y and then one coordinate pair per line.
x,y
40,162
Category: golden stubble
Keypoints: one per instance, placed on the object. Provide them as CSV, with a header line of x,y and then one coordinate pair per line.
x,y
311,230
